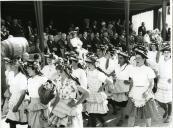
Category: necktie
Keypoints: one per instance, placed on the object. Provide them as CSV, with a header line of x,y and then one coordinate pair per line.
x,y
107,64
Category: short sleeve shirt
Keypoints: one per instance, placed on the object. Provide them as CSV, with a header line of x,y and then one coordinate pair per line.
x,y
95,79
123,72
142,75
49,71
17,84
81,75
34,84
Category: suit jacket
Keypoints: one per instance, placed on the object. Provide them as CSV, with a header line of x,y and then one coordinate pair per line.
x,y
115,42
142,29
105,40
51,45
97,41
85,42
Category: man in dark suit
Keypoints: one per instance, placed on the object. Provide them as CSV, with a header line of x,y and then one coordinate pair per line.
x,y
62,44
29,30
85,40
142,29
16,29
51,44
97,40
105,39
115,40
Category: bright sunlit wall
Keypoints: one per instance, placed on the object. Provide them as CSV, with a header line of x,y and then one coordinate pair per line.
x,y
146,17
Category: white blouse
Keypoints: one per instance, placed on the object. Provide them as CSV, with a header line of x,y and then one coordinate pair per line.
x,y
123,72
141,76
34,84
81,75
49,71
165,73
165,69
152,59
95,79
17,84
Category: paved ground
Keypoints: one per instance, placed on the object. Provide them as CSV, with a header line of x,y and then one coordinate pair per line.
x,y
112,120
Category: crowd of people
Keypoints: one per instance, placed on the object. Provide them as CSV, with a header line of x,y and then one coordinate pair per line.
x,y
85,71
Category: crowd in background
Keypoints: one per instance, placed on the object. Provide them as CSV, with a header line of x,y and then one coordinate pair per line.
x,y
91,34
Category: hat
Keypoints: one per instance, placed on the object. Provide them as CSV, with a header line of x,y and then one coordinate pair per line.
x,y
7,60
72,56
91,58
141,52
103,47
123,54
166,48
154,43
14,59
50,56
141,47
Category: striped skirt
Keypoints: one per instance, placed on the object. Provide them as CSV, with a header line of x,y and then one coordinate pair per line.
x,y
97,103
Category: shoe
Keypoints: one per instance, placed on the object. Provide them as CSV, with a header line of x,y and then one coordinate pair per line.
x,y
165,115
120,123
168,119
114,113
104,125
126,116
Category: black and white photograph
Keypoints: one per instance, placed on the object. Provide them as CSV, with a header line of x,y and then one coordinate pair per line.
x,y
86,63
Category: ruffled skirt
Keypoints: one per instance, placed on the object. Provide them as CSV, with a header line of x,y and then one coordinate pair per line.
x,y
62,114
36,111
149,110
163,96
97,103
20,117
119,97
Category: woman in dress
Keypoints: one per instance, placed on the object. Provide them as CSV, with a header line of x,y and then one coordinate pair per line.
x,y
141,102
37,110
152,60
17,82
121,84
67,105
96,104
164,88
49,70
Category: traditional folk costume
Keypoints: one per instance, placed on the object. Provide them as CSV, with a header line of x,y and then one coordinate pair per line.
x,y
49,71
164,88
96,104
97,101
138,105
6,94
62,114
120,89
36,109
17,84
